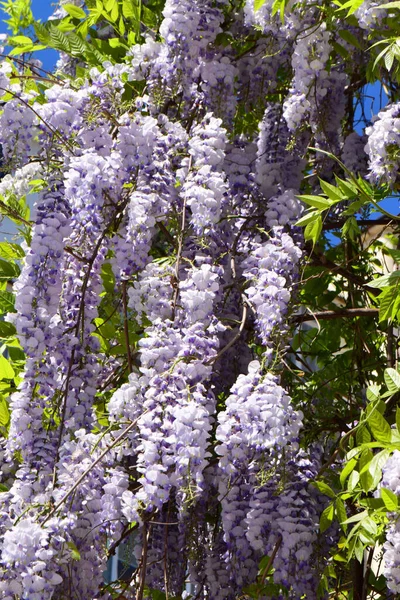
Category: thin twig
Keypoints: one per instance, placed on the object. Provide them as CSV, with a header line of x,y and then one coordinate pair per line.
x,y
52,129
167,234
349,313
179,253
92,466
126,327
233,340
271,560
146,535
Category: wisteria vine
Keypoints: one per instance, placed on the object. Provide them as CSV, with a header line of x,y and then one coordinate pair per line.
x,y
163,218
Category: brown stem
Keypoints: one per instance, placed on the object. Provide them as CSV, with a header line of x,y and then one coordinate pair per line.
x,y
179,254
126,327
271,560
348,313
124,535
167,234
390,347
357,572
328,225
233,340
146,535
367,572
92,466
321,261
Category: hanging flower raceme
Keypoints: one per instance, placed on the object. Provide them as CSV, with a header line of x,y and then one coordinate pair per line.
x,y
257,425
163,221
383,146
391,558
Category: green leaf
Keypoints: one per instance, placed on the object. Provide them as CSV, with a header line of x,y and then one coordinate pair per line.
x,y
380,55
42,33
21,50
366,478
350,229
341,50
359,551
114,14
379,427
326,518
389,302
316,201
369,525
324,488
108,277
348,468
121,26
376,465
389,58
348,188
258,4
347,36
356,518
20,40
363,436
4,412
398,419
313,230
373,392
8,250
75,11
341,513
149,18
392,380
353,480
59,40
390,499
117,43
77,44
8,270
385,280
308,218
352,5
389,5
374,503
128,9
75,555
331,191
7,329
7,301
6,370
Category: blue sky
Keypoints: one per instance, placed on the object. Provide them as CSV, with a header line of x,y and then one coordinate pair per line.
x,y
41,9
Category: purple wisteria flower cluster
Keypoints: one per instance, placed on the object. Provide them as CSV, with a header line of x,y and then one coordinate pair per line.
x,y
153,307
383,146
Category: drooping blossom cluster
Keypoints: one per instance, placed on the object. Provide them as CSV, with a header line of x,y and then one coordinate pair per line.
x,y
383,145
153,303
391,557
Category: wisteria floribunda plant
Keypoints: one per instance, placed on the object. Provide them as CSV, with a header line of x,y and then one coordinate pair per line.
x,y
160,391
